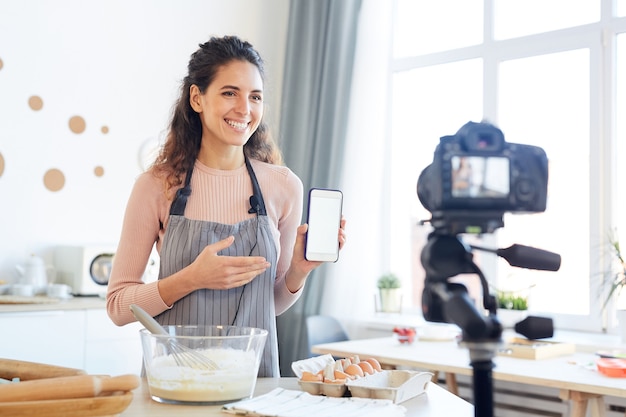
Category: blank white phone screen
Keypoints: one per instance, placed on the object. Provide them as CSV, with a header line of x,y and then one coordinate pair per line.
x,y
324,216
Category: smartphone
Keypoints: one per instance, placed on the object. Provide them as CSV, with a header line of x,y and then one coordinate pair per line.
x,y
323,218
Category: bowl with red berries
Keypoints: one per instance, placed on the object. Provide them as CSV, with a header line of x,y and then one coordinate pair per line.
x,y
405,335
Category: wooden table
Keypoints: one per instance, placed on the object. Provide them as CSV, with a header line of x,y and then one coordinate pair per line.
x,y
585,387
436,402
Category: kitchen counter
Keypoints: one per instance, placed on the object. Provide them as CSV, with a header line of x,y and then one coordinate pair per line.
x,y
436,402
77,333
45,304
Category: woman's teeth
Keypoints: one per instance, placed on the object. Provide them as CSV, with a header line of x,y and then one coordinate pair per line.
x,y
237,125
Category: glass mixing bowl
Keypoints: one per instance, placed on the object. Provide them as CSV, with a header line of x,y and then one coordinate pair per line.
x,y
183,378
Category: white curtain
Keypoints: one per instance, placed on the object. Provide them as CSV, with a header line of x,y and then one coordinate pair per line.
x,y
351,282
319,64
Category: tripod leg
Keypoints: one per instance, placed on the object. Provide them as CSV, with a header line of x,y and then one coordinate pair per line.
x,y
483,388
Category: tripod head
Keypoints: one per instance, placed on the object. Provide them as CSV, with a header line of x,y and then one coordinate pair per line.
x,y
445,256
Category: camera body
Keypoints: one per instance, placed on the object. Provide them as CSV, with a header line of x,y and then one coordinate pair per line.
x,y
476,176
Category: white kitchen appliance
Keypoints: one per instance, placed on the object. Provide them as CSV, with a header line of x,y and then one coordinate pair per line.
x,y
87,268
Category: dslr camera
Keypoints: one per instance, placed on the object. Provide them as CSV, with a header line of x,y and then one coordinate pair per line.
x,y
476,176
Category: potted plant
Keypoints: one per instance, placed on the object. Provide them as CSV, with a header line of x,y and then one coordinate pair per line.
x,y
512,307
390,293
614,281
615,278
512,301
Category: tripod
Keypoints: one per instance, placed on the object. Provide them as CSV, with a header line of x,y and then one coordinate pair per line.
x,y
445,256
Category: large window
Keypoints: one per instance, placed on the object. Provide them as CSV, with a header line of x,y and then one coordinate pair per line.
x,y
546,72
619,209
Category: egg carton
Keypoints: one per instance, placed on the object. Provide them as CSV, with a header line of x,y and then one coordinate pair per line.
x,y
395,385
314,365
324,388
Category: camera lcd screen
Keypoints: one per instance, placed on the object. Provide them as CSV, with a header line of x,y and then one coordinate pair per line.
x,y
480,176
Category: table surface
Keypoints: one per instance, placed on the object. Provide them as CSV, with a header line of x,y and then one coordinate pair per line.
x,y
574,372
435,402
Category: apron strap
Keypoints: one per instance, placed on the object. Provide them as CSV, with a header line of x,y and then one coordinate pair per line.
x,y
257,203
180,200
256,199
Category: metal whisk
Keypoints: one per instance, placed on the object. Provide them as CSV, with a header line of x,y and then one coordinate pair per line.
x,y
183,355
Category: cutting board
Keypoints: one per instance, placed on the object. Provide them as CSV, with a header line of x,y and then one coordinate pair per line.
x,y
74,407
18,299
534,349
109,404
25,371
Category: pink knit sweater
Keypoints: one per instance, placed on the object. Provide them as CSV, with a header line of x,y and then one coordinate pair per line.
x,y
219,196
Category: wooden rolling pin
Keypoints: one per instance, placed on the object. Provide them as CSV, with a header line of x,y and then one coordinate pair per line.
x,y
79,386
25,371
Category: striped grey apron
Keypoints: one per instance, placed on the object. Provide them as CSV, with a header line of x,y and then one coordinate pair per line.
x,y
251,305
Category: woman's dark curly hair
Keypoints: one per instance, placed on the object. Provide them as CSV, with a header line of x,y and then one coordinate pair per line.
x,y
182,145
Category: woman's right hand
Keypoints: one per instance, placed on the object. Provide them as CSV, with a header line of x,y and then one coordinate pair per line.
x,y
212,271
219,272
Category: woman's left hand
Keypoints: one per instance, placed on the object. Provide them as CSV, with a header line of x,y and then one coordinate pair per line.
x,y
300,267
342,232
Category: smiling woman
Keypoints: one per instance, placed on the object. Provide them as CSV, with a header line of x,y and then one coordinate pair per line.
x,y
221,210
213,137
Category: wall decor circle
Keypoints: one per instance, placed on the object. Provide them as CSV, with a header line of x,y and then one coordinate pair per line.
x,y
77,124
54,180
35,103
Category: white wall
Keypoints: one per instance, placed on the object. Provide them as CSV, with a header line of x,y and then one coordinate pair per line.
x,y
117,64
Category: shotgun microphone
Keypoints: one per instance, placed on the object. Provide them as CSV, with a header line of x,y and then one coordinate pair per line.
x,y
534,327
527,257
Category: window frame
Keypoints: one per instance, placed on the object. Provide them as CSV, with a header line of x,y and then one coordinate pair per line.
x,y
600,39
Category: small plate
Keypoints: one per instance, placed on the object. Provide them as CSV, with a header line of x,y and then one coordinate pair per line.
x,y
612,354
